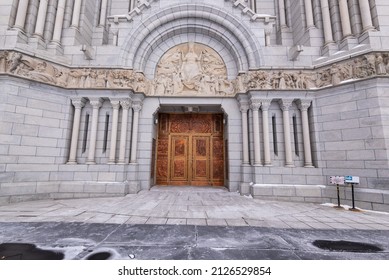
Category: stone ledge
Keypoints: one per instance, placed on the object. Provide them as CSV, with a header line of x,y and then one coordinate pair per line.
x,y
69,189
287,192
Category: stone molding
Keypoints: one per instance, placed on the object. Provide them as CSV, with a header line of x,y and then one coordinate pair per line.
x,y
36,69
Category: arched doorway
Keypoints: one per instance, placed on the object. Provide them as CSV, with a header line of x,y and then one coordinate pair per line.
x,y
190,149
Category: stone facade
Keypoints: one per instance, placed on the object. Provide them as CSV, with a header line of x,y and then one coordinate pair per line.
x,y
302,88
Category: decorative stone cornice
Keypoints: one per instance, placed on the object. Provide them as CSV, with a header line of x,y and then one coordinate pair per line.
x,y
36,69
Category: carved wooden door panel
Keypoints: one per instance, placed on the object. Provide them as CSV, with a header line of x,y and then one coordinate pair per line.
x,y
201,161
190,150
179,167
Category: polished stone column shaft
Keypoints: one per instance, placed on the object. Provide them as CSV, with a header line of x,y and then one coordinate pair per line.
x,y
255,105
245,133
96,104
78,103
103,12
21,14
265,126
303,106
281,10
126,104
41,18
367,22
309,13
57,34
114,130
285,106
345,18
325,10
76,13
136,106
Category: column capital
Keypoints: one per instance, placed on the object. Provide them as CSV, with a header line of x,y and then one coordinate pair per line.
x,y
137,106
285,104
244,107
96,102
115,103
125,103
265,104
78,102
304,104
255,104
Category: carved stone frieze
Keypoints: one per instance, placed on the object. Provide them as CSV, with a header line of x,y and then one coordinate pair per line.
x,y
193,70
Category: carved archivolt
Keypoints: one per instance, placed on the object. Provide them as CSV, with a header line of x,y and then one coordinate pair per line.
x,y
193,70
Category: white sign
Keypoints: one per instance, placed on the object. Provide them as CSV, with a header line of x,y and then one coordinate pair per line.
x,y
337,180
351,179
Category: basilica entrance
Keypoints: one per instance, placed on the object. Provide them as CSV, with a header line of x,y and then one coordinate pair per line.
x,y
190,150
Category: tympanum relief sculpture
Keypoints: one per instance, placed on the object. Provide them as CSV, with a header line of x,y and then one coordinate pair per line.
x,y
191,69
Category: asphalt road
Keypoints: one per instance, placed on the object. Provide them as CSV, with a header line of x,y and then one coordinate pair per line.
x,y
183,242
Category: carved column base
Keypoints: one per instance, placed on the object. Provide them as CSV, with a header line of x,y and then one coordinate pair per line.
x,y
72,163
37,42
329,49
348,43
55,48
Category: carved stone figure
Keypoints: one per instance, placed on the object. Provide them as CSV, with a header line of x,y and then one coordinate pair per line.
x,y
15,63
380,65
189,69
335,75
3,61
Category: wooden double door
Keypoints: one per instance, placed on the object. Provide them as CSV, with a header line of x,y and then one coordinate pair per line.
x,y
190,150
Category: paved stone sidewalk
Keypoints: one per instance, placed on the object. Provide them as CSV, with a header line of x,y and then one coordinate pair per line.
x,y
193,206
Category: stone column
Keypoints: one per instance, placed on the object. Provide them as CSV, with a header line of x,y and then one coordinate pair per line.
x,y
114,130
132,4
345,18
126,104
285,105
303,105
76,13
268,32
57,34
78,103
255,105
41,18
281,8
367,22
253,6
325,10
21,14
103,12
244,107
96,104
309,13
136,106
265,124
